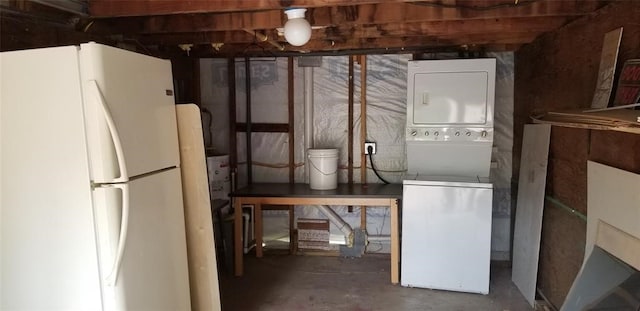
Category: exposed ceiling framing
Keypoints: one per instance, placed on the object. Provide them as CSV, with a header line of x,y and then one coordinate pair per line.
x,y
239,27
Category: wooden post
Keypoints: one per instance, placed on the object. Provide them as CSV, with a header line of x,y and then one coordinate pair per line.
x,y
195,85
247,69
395,242
290,91
363,134
233,139
363,117
292,160
350,124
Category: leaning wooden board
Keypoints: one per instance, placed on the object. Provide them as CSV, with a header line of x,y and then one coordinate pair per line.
x,y
203,269
528,224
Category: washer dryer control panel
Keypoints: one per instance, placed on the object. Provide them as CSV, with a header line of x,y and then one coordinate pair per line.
x,y
453,134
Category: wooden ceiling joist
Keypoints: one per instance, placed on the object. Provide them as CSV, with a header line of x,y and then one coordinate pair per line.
x,y
426,41
498,42
381,13
115,8
443,29
225,27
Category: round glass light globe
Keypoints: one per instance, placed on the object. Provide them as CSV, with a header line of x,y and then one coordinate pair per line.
x,y
297,31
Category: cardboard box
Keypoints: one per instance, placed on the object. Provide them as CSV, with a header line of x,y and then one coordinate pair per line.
x,y
313,234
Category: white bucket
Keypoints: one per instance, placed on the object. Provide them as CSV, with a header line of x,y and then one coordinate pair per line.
x,y
323,169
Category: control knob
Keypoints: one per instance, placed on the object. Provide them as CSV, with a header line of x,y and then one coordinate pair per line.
x,y
414,132
468,133
457,133
436,133
484,134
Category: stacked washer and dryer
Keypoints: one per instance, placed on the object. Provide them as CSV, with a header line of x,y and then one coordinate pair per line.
x,y
447,196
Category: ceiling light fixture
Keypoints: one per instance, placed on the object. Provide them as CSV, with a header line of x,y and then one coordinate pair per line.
x,y
297,30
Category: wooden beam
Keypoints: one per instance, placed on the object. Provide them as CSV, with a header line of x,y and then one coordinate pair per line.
x,y
368,14
450,28
394,13
110,8
23,33
487,27
356,48
424,41
493,42
218,22
226,37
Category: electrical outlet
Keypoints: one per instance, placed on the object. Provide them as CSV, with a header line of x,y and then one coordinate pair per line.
x,y
369,144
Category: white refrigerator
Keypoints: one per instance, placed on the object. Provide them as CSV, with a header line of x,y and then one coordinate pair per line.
x,y
91,210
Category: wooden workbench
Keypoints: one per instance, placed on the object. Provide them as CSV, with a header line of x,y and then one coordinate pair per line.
x,y
301,194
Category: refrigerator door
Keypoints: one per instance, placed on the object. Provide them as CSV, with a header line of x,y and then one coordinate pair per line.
x,y
142,244
446,237
48,255
129,111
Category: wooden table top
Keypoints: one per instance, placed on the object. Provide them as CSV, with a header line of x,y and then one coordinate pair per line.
x,y
303,191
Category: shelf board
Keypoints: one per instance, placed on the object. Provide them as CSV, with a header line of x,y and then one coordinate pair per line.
x,y
623,120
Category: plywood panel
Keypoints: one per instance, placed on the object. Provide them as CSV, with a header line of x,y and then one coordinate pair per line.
x,y
621,150
613,198
528,225
203,269
561,252
569,144
568,183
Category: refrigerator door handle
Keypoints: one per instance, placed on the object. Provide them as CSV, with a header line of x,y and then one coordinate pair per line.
x,y
113,131
112,277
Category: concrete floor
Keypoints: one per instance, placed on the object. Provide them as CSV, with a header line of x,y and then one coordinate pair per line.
x,y
283,282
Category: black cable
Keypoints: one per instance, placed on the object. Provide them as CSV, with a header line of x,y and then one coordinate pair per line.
x,y
373,167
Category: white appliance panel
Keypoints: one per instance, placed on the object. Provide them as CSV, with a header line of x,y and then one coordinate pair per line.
x,y
446,237
47,240
450,97
450,181
455,92
138,93
153,271
449,159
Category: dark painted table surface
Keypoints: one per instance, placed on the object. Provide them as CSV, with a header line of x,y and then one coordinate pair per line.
x,y
304,191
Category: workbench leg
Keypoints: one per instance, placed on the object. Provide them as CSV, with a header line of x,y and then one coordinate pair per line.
x,y
363,218
292,239
237,236
395,242
258,229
